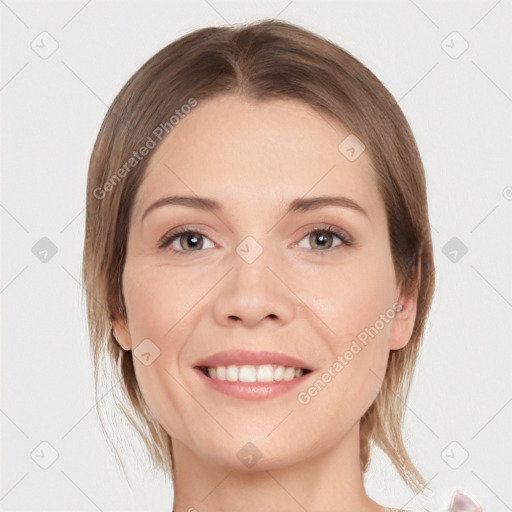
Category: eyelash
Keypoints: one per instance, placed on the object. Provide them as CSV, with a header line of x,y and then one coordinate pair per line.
x,y
168,238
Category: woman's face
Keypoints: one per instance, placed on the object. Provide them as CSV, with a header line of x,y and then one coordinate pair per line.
x,y
252,276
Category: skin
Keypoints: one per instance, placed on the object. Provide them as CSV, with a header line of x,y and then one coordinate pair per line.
x,y
297,298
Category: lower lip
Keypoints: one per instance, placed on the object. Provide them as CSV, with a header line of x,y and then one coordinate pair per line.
x,y
251,390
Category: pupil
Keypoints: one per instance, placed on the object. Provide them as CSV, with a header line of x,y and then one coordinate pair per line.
x,y
191,237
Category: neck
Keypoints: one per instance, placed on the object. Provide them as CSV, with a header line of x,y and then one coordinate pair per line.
x,y
330,481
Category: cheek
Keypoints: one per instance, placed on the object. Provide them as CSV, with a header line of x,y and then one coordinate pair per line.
x,y
351,297
162,305
157,299
349,381
355,302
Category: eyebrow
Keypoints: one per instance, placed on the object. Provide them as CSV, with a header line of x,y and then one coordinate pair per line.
x,y
297,205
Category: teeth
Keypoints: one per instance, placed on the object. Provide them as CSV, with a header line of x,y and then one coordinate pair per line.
x,y
279,373
249,373
289,374
265,373
232,373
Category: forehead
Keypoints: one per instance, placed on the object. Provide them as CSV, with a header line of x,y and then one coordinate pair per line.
x,y
256,154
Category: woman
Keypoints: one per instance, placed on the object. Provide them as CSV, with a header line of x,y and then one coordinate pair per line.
x,y
258,267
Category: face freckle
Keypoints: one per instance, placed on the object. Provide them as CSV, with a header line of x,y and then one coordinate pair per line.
x,y
275,295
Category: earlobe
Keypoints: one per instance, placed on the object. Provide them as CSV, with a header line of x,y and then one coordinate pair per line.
x,y
121,334
405,318
403,322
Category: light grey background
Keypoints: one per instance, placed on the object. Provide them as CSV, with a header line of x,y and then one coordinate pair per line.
x,y
460,112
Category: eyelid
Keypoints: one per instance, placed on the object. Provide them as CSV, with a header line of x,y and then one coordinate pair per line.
x,y
174,233
342,234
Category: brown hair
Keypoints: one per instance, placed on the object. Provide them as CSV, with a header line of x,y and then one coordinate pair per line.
x,y
260,60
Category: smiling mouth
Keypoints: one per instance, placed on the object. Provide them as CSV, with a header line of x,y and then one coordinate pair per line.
x,y
253,373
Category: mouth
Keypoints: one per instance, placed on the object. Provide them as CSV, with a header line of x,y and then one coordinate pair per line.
x,y
253,373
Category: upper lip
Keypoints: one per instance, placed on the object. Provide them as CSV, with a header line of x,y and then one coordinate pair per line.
x,y
250,357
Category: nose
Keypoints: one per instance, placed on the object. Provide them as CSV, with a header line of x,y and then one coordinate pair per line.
x,y
254,293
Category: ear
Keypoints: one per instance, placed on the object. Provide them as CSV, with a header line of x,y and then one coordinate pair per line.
x,y
121,333
405,317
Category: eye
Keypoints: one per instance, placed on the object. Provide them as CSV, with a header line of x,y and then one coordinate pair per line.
x,y
184,240
322,238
